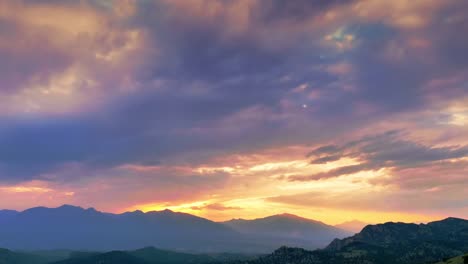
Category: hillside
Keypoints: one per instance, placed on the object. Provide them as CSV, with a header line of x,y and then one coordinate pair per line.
x,y
113,257
462,259
149,255
158,256
451,230
389,243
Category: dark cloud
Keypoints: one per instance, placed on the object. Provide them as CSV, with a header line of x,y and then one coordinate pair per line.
x,y
198,72
325,159
140,186
27,55
324,150
301,10
387,150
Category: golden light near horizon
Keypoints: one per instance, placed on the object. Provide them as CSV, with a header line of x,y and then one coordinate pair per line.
x,y
236,109
236,202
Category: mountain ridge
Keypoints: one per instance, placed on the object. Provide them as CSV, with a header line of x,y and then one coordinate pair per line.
x,y
77,228
300,231
387,243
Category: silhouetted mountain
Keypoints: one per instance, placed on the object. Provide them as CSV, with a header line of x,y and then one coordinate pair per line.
x,y
76,228
389,243
354,226
6,215
453,231
289,229
87,229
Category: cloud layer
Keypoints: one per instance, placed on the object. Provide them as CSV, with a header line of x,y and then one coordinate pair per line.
x,y
214,105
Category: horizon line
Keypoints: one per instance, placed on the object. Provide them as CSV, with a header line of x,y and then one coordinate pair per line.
x,y
246,219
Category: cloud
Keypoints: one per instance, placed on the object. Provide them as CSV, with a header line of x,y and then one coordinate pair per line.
x,y
387,150
61,57
215,207
183,65
124,187
425,202
100,85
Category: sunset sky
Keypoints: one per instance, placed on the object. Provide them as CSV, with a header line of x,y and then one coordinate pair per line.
x,y
332,110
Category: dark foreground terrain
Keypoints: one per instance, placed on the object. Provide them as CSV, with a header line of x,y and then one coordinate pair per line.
x,y
389,243
147,255
441,242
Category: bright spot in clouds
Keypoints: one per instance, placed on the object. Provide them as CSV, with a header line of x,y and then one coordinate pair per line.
x,y
331,110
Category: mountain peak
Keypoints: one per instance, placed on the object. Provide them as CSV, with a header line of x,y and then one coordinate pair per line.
x,y
69,206
288,215
294,217
453,219
165,211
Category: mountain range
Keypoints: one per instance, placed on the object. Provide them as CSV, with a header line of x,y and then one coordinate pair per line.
x,y
439,242
76,228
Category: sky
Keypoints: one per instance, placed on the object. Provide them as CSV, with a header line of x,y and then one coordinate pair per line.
x,y
332,110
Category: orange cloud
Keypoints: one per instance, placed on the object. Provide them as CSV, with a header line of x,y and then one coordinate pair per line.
x,y
84,52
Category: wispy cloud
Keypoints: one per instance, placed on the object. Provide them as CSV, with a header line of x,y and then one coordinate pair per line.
x,y
137,97
388,150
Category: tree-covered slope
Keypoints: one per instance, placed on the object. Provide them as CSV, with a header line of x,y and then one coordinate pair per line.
x,y
389,243
462,259
113,257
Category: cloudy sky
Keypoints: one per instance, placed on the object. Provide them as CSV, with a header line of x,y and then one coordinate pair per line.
x,y
333,110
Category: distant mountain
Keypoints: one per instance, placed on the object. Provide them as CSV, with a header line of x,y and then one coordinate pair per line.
x,y
353,226
389,243
290,229
6,216
75,228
